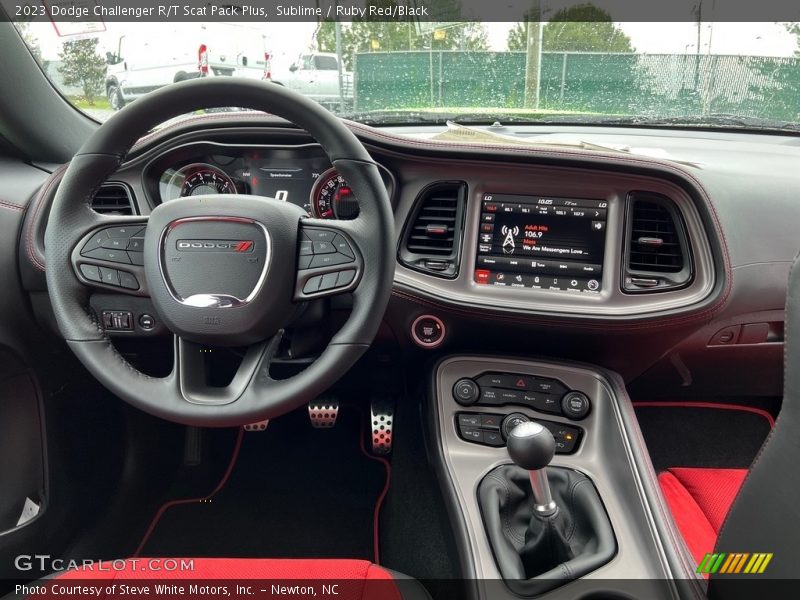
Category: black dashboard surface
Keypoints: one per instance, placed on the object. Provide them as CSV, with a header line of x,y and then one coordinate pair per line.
x,y
747,182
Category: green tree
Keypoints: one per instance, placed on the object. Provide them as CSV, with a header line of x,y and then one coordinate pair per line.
x,y
24,29
83,67
776,93
398,36
582,28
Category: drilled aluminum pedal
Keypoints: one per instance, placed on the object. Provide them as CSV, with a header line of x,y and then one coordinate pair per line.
x,y
323,412
381,416
257,426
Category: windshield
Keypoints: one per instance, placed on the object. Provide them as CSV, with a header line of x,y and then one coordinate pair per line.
x,y
566,69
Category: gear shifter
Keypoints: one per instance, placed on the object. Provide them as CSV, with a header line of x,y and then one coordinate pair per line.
x,y
546,532
531,446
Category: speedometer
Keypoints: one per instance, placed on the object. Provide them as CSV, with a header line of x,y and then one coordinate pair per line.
x,y
332,198
199,179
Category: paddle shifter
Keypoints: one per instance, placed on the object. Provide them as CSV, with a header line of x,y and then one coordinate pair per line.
x,y
531,446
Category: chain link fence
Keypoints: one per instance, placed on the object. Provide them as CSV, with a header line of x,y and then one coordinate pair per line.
x,y
605,83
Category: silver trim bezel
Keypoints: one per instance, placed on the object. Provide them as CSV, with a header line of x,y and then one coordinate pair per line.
x,y
213,299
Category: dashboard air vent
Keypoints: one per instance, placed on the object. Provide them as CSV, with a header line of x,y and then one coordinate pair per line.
x,y
113,199
657,249
432,238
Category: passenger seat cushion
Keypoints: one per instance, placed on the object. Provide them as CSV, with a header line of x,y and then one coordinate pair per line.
x,y
699,500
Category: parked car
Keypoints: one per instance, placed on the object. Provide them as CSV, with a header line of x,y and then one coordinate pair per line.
x,y
142,64
316,75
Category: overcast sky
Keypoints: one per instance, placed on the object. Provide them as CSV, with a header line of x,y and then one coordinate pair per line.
x,y
286,40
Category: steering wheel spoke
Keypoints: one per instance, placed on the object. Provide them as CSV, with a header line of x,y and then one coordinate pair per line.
x,y
329,259
195,372
111,256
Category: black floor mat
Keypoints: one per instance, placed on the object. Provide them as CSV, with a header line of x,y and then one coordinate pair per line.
x,y
295,492
680,436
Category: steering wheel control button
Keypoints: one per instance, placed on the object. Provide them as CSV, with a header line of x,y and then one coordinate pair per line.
x,y
109,276
91,272
328,281
128,280
115,256
147,322
136,244
117,320
320,235
466,392
428,331
345,278
575,405
306,247
124,232
323,248
329,260
342,246
114,244
312,285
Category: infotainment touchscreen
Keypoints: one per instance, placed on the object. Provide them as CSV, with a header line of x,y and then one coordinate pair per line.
x,y
541,242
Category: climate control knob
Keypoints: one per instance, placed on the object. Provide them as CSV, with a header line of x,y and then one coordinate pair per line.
x,y
511,421
466,392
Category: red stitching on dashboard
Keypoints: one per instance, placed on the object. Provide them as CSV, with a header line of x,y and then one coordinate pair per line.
x,y
532,152
11,206
39,202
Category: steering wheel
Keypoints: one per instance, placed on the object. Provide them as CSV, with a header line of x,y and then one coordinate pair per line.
x,y
221,270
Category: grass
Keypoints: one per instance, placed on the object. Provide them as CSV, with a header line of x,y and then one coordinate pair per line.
x,y
98,103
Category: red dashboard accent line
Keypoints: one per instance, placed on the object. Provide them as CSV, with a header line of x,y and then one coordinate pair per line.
x,y
167,505
723,406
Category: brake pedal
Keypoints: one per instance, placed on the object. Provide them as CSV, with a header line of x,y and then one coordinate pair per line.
x,y
323,412
257,426
381,412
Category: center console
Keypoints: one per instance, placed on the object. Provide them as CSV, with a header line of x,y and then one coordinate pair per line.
x,y
478,402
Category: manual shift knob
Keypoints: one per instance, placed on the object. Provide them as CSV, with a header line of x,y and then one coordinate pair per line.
x,y
531,446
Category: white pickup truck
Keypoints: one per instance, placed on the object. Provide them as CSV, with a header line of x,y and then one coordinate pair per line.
x,y
316,76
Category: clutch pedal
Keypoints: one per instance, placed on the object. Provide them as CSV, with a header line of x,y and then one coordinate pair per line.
x,y
381,416
323,412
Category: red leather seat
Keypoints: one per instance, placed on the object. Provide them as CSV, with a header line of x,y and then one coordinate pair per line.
x,y
699,500
356,579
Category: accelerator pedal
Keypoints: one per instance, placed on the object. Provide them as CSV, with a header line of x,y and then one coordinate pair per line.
x,y
381,413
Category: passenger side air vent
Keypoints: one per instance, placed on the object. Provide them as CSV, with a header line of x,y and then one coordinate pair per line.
x,y
432,237
113,199
657,254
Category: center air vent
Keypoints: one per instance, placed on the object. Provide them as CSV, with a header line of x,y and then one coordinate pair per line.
x,y
657,250
113,199
432,237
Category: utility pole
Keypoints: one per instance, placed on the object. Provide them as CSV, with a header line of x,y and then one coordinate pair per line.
x,y
533,58
337,27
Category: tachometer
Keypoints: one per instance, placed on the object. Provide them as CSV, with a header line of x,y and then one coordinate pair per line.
x,y
199,179
332,198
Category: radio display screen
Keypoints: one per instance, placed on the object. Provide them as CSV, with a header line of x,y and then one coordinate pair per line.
x,y
541,242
